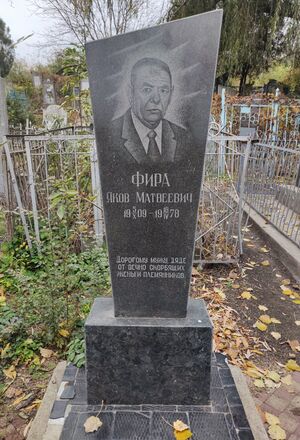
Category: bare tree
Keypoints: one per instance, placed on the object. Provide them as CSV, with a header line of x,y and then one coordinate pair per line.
x,y
85,20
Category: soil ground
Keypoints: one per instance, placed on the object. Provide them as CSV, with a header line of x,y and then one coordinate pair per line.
x,y
265,282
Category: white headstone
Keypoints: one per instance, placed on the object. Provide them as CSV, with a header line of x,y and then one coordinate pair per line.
x,y
54,116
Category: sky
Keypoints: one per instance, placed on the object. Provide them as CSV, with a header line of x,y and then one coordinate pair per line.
x,y
22,20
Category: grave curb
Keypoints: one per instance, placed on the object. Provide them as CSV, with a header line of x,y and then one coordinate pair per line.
x,y
40,426
40,422
255,422
288,252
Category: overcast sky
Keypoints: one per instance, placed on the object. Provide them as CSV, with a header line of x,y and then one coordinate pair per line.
x,y
22,20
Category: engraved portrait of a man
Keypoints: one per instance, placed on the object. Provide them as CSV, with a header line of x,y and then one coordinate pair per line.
x,y
143,135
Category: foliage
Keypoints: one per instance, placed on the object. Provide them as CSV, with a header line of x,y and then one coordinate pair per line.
x,y
71,65
76,351
254,33
17,112
48,296
20,82
6,50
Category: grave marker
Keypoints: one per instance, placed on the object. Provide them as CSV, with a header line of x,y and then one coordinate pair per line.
x,y
151,94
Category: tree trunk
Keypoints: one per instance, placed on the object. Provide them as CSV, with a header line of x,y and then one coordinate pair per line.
x,y
243,78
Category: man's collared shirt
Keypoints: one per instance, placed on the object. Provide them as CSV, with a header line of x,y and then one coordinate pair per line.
x,y
143,131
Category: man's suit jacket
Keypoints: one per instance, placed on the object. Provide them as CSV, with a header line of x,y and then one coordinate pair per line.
x,y
124,144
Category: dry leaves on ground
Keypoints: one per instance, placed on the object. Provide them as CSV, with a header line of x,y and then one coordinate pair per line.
x,y
92,424
181,430
230,337
275,431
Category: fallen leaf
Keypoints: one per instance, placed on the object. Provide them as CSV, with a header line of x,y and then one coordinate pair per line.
x,y
276,432
21,399
183,435
296,301
46,353
287,380
273,376
259,383
220,293
10,372
35,404
180,426
292,365
265,319
294,344
195,272
236,286
271,419
92,424
252,372
263,308
262,327
4,350
64,333
286,282
264,250
275,321
286,291
276,335
265,263
246,295
270,384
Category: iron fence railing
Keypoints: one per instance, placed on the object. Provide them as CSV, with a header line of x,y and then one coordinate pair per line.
x,y
265,176
38,167
272,186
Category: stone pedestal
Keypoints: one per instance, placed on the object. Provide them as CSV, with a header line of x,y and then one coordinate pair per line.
x,y
148,360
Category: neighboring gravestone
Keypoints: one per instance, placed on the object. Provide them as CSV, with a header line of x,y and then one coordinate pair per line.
x,y
54,117
151,94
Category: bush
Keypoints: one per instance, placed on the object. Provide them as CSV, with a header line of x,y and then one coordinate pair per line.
x,y
47,297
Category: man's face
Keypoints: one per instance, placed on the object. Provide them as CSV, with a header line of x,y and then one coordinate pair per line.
x,y
150,94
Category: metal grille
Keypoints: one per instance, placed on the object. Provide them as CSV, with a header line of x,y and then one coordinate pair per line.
x,y
269,121
220,228
273,186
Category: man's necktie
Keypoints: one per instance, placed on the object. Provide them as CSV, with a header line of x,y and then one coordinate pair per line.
x,y
153,151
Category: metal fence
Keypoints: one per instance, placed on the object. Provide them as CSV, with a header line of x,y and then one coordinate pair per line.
x,y
44,172
221,220
272,186
269,120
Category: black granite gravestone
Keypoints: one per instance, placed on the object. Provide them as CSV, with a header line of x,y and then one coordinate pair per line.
x,y
151,94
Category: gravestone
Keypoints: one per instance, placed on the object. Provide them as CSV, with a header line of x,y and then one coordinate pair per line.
x,y
151,94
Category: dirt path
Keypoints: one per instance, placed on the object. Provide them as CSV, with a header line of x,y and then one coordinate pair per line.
x,y
265,277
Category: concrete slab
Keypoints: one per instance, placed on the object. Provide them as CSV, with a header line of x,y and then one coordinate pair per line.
x,y
40,422
253,417
288,252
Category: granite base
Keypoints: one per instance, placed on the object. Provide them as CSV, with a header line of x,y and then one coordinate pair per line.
x,y
223,418
148,360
